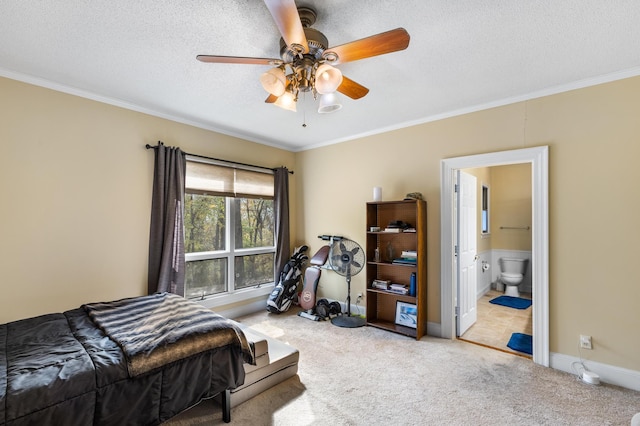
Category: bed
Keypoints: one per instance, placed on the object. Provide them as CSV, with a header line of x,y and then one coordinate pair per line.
x,y
133,361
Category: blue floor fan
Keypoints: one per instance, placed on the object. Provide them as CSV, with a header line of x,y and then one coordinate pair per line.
x,y
347,259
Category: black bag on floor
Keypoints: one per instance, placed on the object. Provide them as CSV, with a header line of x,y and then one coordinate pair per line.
x,y
285,292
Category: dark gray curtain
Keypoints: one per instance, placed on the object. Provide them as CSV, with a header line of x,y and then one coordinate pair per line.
x,y
281,206
166,239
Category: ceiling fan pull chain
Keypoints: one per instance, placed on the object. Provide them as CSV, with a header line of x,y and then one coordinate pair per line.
x,y
304,111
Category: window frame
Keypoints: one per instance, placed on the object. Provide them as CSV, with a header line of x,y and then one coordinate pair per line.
x,y
485,204
231,295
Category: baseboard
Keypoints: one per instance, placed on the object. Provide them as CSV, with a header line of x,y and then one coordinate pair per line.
x,y
610,374
356,310
434,329
483,291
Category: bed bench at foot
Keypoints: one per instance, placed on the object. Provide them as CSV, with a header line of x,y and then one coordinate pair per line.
x,y
275,362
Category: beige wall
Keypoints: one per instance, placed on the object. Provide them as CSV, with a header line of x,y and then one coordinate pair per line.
x,y
510,196
75,184
511,206
594,140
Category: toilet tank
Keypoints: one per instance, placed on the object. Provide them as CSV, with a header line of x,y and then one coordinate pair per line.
x,y
511,265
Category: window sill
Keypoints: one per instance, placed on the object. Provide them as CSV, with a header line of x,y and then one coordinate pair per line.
x,y
219,300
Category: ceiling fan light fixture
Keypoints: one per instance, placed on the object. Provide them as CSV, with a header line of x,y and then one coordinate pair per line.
x,y
287,101
327,79
328,103
274,81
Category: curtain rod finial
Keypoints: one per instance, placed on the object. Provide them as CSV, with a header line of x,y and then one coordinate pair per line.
x,y
160,143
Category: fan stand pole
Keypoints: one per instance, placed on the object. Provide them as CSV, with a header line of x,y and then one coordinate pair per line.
x,y
348,296
347,320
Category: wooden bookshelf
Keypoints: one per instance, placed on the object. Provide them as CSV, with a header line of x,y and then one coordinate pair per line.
x,y
381,304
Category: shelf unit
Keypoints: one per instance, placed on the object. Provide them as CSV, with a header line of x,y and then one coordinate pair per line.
x,y
381,305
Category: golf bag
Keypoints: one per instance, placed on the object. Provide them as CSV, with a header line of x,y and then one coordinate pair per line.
x,y
285,292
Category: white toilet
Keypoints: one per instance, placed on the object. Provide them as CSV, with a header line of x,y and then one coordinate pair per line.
x,y
512,274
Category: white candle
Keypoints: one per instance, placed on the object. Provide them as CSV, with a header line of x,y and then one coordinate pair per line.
x,y
377,193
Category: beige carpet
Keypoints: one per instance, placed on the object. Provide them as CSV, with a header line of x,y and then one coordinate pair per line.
x,y
366,376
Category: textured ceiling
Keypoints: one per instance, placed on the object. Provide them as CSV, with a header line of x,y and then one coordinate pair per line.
x,y
463,55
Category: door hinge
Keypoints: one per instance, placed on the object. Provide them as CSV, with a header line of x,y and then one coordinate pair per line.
x,y
455,187
455,251
457,310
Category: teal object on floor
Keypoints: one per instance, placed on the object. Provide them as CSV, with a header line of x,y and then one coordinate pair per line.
x,y
521,342
511,302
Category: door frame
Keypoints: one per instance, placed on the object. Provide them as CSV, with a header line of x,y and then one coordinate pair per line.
x,y
538,157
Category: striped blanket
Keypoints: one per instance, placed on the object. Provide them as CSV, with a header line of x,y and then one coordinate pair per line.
x,y
162,328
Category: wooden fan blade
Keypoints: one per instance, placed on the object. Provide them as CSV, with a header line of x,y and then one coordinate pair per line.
x,y
238,60
352,89
285,14
379,44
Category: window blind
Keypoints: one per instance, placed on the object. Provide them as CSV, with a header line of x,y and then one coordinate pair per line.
x,y
216,179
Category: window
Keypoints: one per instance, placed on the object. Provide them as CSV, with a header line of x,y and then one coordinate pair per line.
x,y
229,229
485,209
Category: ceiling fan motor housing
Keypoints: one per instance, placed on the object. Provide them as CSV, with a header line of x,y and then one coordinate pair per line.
x,y
317,45
304,64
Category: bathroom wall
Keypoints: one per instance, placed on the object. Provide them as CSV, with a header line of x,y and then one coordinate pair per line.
x,y
485,280
509,207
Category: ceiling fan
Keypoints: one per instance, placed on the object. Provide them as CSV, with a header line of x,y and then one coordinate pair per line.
x,y
307,63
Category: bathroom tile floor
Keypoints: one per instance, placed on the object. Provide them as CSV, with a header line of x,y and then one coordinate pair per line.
x,y
496,323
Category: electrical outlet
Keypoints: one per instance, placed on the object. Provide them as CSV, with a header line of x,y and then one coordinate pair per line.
x,y
585,342
359,295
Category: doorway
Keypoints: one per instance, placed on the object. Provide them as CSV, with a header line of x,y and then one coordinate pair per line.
x,y
538,158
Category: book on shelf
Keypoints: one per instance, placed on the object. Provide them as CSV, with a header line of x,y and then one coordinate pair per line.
x,y
397,286
404,261
409,254
409,230
380,284
402,291
396,230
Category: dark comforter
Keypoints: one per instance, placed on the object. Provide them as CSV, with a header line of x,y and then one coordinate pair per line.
x,y
61,369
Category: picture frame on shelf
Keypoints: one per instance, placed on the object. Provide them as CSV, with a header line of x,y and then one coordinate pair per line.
x,y
406,314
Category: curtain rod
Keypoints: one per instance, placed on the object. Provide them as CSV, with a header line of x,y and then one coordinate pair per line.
x,y
217,159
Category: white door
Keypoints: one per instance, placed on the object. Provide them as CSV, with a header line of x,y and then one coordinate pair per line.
x,y
467,251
